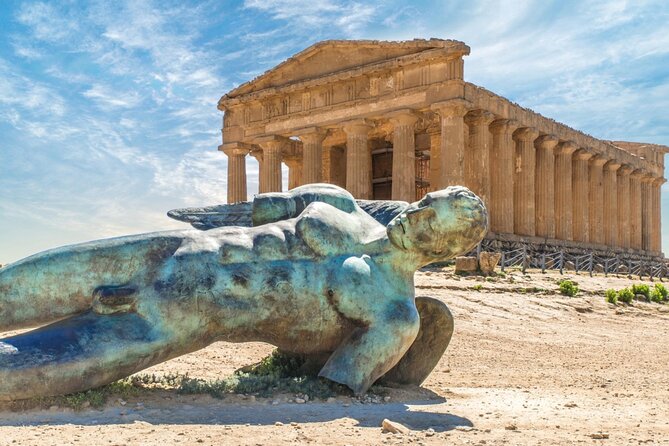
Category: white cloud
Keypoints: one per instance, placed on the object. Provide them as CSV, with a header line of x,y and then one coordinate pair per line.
x,y
105,97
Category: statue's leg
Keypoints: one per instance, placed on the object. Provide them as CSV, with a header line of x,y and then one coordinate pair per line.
x,y
49,286
436,329
87,351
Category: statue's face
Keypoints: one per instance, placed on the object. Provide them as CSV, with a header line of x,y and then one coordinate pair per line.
x,y
442,225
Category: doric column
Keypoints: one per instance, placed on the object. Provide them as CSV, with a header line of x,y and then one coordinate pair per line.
x,y
435,158
657,214
579,189
523,184
636,241
477,158
295,171
596,195
611,203
501,175
270,168
564,224
257,154
623,189
545,186
404,156
647,216
236,153
452,144
358,159
312,154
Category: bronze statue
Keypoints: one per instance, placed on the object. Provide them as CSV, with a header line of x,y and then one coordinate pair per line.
x,y
315,275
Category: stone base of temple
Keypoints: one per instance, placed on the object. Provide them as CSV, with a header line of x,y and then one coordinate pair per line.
x,y
544,253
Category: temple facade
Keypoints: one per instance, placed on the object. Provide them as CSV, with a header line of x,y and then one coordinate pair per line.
x,y
394,120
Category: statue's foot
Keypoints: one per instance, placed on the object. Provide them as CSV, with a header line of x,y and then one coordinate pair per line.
x,y
436,329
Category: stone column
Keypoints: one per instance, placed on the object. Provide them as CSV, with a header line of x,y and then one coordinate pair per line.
x,y
295,171
452,144
501,176
523,184
404,156
312,155
657,214
611,203
257,154
623,190
435,158
647,216
270,168
564,222
579,186
635,209
358,160
596,194
477,158
545,186
236,153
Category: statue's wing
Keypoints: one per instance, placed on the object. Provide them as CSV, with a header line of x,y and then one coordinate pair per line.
x,y
239,214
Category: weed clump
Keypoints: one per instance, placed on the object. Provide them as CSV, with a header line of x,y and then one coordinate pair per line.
x,y
641,289
568,287
626,295
612,296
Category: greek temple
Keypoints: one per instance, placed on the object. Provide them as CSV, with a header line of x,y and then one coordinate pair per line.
x,y
394,120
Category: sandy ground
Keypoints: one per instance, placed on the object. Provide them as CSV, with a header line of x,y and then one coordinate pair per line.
x,y
525,366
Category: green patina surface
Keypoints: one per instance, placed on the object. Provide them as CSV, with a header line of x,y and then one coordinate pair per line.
x,y
315,276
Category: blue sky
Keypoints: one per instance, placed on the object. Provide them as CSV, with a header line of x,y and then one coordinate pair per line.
x,y
108,109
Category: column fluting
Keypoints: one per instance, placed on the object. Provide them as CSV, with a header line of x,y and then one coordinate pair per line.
x,y
545,186
404,156
477,158
623,186
501,175
596,197
647,216
435,158
452,143
657,214
580,194
564,224
611,203
270,168
358,160
312,155
636,241
523,184
236,171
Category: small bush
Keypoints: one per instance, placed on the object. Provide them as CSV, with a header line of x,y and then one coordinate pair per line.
x,y
477,287
568,287
626,295
612,296
662,290
642,289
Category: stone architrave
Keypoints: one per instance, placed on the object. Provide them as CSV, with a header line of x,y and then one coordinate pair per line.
x,y
236,153
358,159
580,200
270,168
636,219
477,158
452,144
647,214
523,185
611,203
657,214
501,175
564,224
545,186
596,194
623,189
404,155
312,154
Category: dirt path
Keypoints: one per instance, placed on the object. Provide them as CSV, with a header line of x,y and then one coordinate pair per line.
x,y
526,366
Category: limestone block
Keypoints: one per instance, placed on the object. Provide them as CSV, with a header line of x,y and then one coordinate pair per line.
x,y
599,268
569,265
466,265
488,261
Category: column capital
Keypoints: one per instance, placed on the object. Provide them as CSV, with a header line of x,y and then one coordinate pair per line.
x,y
612,165
357,127
311,135
504,125
625,169
479,117
405,116
647,177
638,174
525,134
272,142
451,108
598,160
566,148
235,148
546,142
256,153
659,181
583,155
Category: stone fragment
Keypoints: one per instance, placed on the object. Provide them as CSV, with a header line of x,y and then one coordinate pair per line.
x,y
394,427
466,265
569,265
488,261
622,269
599,268
300,400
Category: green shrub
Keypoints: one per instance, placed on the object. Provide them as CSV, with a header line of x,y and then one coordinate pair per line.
x,y
612,296
568,287
477,287
626,295
642,289
662,290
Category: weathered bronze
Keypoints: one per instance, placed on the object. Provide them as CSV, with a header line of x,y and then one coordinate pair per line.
x,y
315,275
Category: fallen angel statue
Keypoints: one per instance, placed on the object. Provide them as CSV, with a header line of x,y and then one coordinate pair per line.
x,y
309,271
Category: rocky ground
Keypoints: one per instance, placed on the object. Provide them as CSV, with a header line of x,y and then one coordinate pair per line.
x,y
525,366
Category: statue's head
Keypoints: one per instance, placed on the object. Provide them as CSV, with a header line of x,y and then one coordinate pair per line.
x,y
442,225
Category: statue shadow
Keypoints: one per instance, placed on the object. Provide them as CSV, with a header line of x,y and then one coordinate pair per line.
x,y
415,414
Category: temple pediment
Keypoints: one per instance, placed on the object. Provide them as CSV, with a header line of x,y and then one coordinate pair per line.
x,y
333,56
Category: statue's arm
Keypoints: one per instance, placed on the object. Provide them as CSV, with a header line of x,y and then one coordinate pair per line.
x,y
277,206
